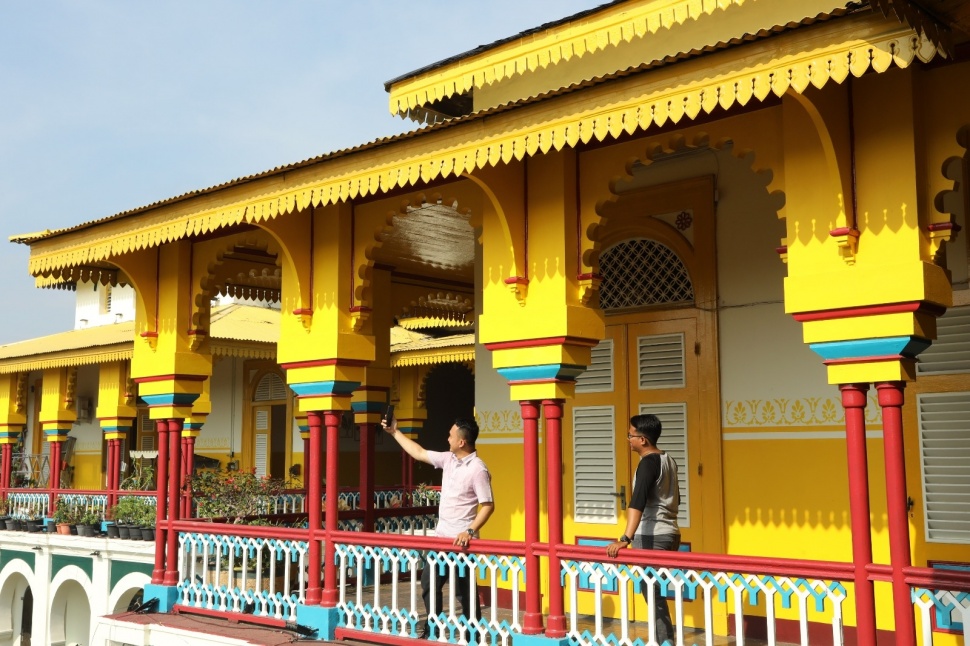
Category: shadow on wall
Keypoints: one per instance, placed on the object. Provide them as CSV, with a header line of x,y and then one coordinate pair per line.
x,y
449,393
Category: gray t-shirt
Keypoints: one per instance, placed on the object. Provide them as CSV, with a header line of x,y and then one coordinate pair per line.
x,y
656,493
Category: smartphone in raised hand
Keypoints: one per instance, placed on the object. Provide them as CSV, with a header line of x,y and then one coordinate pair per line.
x,y
389,415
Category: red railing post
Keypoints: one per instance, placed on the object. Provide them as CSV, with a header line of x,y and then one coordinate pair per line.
x,y
174,480
897,508
314,515
854,402
532,621
330,596
161,430
552,411
55,474
188,467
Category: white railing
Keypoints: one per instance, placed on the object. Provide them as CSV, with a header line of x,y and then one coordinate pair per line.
x,y
249,575
386,599
946,609
84,503
699,593
28,505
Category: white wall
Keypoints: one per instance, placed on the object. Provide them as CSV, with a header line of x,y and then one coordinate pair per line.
x,y
92,307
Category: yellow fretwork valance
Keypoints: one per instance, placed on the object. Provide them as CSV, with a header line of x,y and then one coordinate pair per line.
x,y
626,105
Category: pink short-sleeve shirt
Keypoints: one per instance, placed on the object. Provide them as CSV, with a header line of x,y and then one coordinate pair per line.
x,y
465,484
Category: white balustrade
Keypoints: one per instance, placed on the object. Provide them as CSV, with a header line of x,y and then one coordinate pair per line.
x,y
259,576
946,609
588,583
386,599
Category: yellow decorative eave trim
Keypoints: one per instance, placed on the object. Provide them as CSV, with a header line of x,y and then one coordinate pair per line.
x,y
67,358
429,322
588,33
243,350
432,357
626,105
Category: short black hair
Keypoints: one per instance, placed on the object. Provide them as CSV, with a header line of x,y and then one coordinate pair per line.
x,y
648,426
467,429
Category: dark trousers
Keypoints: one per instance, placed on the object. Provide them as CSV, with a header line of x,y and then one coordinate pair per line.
x,y
463,592
671,543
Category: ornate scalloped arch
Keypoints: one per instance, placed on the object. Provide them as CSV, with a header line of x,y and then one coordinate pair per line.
x,y
125,590
15,570
604,233
365,271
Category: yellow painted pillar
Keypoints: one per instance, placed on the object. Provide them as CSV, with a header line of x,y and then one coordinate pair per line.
x,y
116,414
57,415
534,323
13,418
862,276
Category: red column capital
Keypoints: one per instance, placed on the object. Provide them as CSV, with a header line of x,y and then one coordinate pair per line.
x,y
891,393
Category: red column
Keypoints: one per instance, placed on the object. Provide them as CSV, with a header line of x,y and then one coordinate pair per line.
x,y
174,479
314,517
891,400
183,469
854,403
532,621
55,471
55,465
161,430
552,410
367,475
329,597
187,479
113,468
7,450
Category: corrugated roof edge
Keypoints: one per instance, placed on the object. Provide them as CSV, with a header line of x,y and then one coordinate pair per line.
x,y
30,238
498,43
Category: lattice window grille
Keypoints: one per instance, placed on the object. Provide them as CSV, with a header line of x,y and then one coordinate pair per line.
x,y
673,440
642,272
950,353
594,464
944,445
661,361
598,377
270,388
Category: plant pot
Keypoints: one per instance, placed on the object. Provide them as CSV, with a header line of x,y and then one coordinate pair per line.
x,y
85,530
35,525
64,528
112,530
3,523
12,524
124,532
147,533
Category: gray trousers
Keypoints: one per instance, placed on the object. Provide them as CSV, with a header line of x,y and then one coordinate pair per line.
x,y
669,542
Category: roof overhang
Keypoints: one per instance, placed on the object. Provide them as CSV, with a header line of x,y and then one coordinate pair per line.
x,y
625,104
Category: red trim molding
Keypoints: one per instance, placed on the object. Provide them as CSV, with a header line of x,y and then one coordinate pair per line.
x,y
516,280
538,343
302,311
944,226
145,380
149,335
782,250
590,276
315,363
360,308
844,231
870,310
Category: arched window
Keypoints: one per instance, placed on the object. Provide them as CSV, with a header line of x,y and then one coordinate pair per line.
x,y
270,388
642,272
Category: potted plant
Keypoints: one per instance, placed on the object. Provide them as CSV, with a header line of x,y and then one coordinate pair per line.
x,y
34,517
128,514
4,512
147,521
234,495
89,523
64,516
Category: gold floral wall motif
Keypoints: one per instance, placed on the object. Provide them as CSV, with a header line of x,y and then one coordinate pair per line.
x,y
499,421
802,411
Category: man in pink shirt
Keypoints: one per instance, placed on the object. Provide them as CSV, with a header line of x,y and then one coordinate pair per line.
x,y
465,506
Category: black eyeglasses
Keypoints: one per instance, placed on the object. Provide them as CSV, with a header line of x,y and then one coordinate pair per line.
x,y
630,437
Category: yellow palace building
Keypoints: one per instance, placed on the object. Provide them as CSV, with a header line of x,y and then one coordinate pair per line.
x,y
747,217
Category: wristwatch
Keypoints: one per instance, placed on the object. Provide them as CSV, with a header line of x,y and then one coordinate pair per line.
x,y
471,532
624,539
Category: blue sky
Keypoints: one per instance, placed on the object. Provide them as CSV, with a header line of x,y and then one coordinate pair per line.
x,y
112,104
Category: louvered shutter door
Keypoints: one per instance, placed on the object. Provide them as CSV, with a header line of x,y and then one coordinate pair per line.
x,y
147,428
594,471
944,442
598,377
950,353
262,441
673,440
661,361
